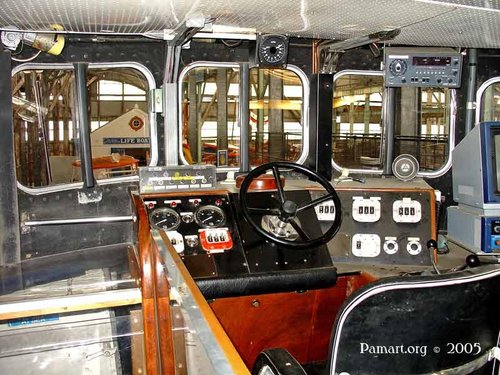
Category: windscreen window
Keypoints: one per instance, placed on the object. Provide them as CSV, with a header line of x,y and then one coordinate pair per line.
x,y
357,121
422,124
210,116
47,132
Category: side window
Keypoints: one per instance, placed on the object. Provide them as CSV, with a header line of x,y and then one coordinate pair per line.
x,y
357,120
488,101
46,133
423,124
210,118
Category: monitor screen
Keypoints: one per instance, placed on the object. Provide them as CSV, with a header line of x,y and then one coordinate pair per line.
x,y
496,158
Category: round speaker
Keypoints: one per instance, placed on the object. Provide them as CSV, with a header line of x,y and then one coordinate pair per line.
x,y
405,167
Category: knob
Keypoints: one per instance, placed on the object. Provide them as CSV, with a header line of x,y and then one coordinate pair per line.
x,y
496,229
472,261
398,67
431,244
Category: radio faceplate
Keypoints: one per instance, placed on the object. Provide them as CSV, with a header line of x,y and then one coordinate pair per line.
x,y
422,67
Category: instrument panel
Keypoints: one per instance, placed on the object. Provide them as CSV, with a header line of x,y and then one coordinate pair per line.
x,y
381,226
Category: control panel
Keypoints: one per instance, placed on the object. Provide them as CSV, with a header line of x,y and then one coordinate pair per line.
x,y
194,224
386,226
422,67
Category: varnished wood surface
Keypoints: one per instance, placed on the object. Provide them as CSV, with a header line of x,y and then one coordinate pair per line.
x,y
217,330
147,288
298,322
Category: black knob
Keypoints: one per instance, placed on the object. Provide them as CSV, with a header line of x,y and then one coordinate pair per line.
x,y
431,244
472,261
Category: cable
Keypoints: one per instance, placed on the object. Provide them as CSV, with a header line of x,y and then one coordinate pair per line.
x,y
28,59
232,44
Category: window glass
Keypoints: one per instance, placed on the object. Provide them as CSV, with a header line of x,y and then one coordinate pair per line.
x,y
422,125
357,120
46,134
210,118
489,109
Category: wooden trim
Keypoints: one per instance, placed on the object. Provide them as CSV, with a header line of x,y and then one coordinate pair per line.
x,y
99,300
164,316
220,335
147,287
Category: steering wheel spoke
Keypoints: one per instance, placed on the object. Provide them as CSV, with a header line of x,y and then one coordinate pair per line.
x,y
303,235
264,211
315,202
279,185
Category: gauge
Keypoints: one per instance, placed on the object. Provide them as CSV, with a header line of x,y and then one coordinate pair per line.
x,y
273,50
165,218
210,216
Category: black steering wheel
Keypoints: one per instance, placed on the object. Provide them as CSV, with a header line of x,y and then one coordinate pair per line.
x,y
287,210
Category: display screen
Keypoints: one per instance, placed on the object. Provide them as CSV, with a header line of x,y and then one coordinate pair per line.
x,y
496,160
431,61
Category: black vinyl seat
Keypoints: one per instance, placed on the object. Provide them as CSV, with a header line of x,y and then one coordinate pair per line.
x,y
434,324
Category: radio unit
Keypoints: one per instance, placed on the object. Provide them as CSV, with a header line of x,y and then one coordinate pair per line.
x,y
422,67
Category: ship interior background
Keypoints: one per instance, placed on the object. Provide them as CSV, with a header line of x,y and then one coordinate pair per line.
x,y
219,187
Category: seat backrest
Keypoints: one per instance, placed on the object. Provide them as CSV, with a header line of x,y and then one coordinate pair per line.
x,y
419,325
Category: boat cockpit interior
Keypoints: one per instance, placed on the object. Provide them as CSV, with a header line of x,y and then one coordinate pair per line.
x,y
232,187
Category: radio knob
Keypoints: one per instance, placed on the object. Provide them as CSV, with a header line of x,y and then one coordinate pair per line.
x,y
398,67
496,229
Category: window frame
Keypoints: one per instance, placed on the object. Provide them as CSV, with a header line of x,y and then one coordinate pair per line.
x,y
211,64
479,96
451,132
153,126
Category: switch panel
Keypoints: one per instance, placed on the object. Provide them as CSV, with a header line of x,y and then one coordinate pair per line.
x,y
176,240
366,210
365,245
406,210
215,240
325,211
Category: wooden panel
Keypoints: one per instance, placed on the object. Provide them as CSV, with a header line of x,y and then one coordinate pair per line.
x,y
299,322
326,306
255,323
216,328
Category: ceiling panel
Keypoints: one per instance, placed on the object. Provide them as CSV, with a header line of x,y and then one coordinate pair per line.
x,y
460,23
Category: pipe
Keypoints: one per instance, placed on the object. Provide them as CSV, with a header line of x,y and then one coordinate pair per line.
x,y
244,109
87,220
390,121
84,126
471,91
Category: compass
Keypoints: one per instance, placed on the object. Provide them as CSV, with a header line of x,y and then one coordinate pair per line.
x,y
272,50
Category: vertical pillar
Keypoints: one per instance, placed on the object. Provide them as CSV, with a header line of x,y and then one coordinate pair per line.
x,y
84,125
276,136
10,247
221,82
192,133
320,124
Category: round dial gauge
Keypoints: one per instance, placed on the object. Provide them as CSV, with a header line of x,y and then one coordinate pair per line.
x,y
273,50
165,218
210,216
